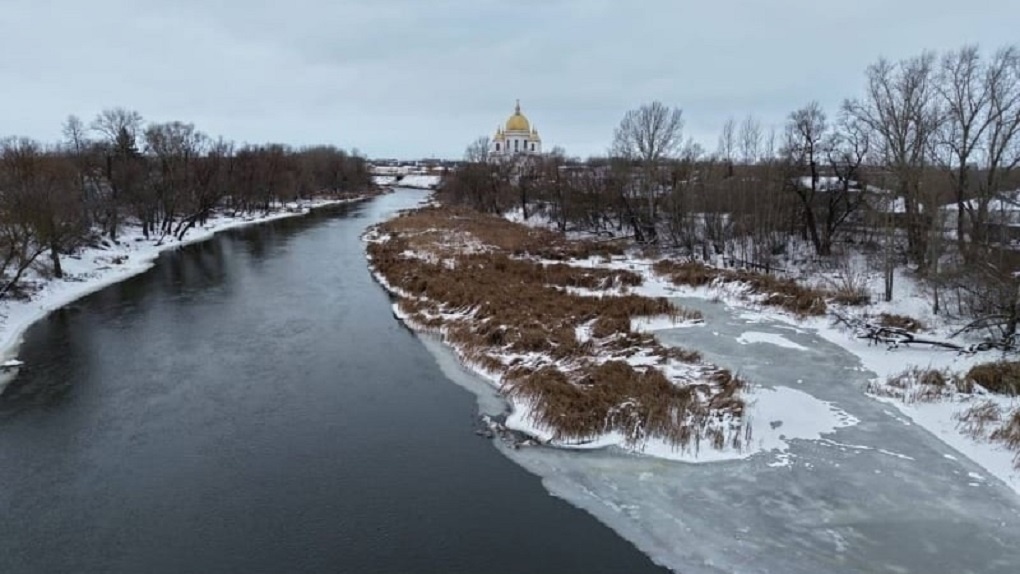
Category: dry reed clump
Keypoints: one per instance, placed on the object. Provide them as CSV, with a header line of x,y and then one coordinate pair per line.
x,y
900,322
617,397
1001,377
1008,433
976,420
852,296
690,273
922,385
506,313
986,420
778,291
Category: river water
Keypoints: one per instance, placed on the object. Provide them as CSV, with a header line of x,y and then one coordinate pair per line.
x,y
251,405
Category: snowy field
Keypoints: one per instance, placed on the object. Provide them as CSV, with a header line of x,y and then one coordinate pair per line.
x,y
92,268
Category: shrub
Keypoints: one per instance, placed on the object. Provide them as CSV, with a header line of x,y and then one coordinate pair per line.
x,y
900,322
975,421
922,385
1002,377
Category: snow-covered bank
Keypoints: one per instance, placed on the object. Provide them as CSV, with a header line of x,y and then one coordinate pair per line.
x,y
93,268
940,417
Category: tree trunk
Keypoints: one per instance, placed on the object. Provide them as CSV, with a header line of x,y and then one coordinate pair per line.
x,y
58,271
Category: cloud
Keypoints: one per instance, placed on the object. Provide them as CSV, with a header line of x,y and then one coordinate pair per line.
x,y
410,78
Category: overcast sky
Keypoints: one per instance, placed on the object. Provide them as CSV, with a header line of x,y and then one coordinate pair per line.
x,y
423,78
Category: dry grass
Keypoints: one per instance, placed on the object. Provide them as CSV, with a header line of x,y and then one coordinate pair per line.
x,y
922,385
776,291
986,421
1001,377
900,322
1008,433
465,275
976,420
850,296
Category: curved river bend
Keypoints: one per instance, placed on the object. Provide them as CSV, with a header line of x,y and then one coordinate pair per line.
x,y
251,405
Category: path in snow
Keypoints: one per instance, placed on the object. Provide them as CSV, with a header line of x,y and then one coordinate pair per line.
x,y
882,495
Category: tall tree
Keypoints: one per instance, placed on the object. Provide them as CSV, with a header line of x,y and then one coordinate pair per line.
x,y
900,110
646,136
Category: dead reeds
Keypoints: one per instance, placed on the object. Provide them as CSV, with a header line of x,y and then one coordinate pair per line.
x,y
900,322
922,385
1000,377
987,421
503,295
775,291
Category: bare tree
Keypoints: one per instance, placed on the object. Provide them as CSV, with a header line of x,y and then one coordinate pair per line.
x,y
728,145
647,136
805,140
900,110
123,166
478,151
37,208
750,140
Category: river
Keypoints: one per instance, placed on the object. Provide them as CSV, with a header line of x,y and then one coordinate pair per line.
x,y
251,405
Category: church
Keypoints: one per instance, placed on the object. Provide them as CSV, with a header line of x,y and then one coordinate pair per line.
x,y
517,137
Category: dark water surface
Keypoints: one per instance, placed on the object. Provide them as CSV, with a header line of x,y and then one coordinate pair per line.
x,y
251,405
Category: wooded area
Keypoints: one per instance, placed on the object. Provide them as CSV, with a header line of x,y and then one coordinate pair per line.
x,y
164,177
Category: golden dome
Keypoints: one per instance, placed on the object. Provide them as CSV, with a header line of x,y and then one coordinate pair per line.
x,y
517,122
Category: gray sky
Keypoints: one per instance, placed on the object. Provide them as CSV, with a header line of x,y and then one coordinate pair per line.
x,y
417,78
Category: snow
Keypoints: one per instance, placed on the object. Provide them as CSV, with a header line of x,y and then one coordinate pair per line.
x,y
94,268
938,419
419,181
411,180
826,183
769,338
909,298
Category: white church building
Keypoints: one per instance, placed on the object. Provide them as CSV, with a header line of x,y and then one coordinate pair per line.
x,y
517,137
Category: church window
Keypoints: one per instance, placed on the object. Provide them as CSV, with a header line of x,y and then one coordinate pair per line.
x,y
532,147
497,147
516,143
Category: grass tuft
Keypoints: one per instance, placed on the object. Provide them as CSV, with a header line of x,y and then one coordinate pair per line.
x,y
1001,377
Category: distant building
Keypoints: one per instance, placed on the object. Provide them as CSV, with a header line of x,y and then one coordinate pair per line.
x,y
517,137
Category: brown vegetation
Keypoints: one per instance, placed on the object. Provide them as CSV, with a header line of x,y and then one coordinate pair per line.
x,y
986,420
922,385
776,291
900,322
476,279
1002,377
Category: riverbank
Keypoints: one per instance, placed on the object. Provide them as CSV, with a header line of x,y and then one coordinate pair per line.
x,y
93,268
945,403
568,344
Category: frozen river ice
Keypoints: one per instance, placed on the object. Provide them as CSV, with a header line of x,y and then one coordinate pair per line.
x,y
882,495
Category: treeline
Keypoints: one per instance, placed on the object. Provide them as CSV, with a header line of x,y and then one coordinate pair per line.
x,y
910,172
164,177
